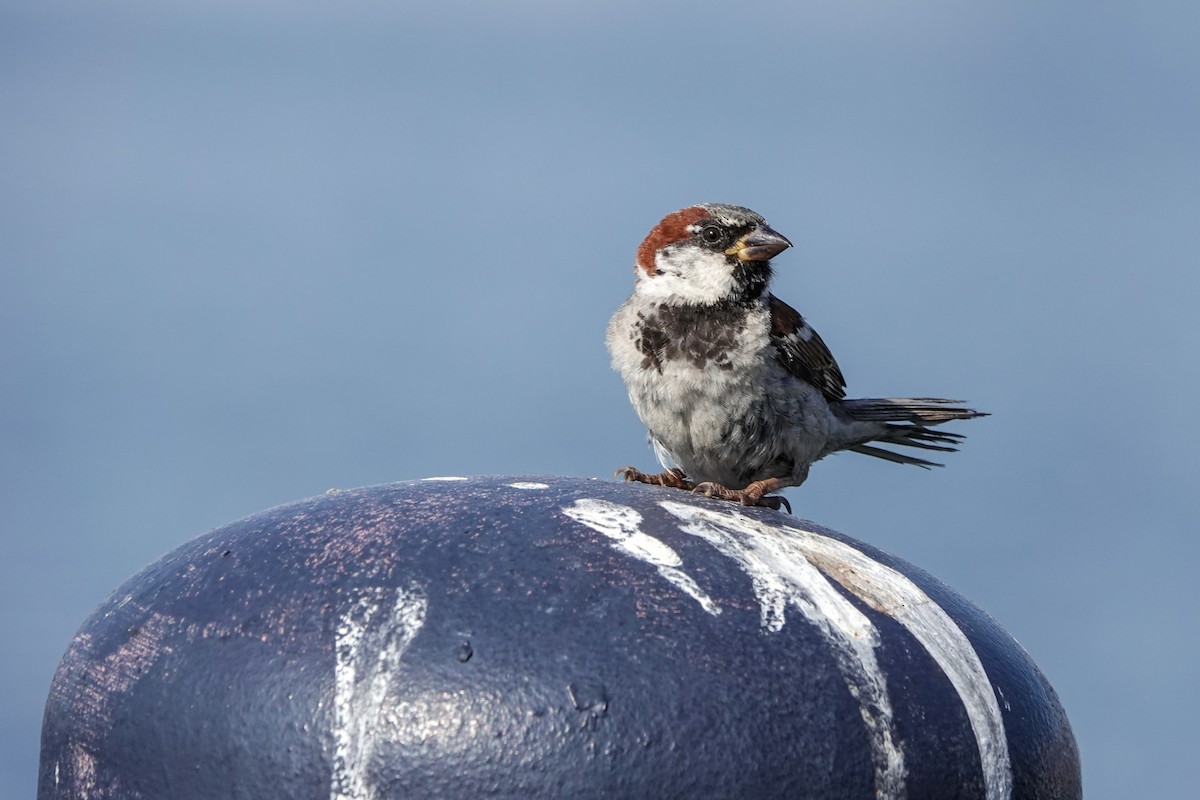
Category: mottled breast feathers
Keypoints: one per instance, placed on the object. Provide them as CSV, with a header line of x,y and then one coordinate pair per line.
x,y
699,335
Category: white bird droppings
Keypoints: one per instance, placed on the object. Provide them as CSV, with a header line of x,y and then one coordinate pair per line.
x,y
782,577
772,557
371,637
621,525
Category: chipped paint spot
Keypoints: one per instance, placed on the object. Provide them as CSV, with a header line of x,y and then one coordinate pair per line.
x,y
529,485
771,555
445,478
371,637
621,525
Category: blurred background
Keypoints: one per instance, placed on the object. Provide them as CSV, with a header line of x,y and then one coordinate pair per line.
x,y
250,251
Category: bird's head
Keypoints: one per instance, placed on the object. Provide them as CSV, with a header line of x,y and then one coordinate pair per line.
x,y
709,253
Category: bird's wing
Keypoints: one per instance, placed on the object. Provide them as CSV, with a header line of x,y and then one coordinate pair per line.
x,y
801,350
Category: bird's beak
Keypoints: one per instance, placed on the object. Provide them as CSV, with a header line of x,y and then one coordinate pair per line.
x,y
760,244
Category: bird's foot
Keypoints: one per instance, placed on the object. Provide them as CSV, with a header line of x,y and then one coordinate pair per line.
x,y
673,478
753,495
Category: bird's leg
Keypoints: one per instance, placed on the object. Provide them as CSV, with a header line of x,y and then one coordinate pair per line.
x,y
674,478
756,494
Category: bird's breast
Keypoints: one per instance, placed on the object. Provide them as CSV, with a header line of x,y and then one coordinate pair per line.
x,y
692,371
724,337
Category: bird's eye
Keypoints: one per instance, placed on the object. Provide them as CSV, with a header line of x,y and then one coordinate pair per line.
x,y
712,234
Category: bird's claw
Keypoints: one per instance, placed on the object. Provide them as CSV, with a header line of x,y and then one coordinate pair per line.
x,y
753,495
745,497
672,478
774,501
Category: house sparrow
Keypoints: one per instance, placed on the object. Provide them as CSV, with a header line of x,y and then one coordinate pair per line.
x,y
738,392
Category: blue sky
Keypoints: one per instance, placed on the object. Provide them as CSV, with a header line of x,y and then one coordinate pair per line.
x,y
250,252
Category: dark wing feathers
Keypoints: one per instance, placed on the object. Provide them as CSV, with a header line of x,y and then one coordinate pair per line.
x,y
802,351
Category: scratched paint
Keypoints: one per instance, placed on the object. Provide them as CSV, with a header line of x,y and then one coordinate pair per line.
x,y
370,640
621,525
762,549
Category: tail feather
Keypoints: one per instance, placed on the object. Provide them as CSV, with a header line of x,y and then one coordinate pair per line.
x,y
895,458
917,410
917,436
920,413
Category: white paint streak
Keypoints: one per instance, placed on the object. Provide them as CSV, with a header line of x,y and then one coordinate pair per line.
x,y
782,577
621,525
882,588
371,637
529,485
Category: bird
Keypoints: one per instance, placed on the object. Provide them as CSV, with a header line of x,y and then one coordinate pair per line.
x,y
738,392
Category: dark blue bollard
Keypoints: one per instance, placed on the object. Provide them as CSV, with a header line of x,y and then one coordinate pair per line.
x,y
544,637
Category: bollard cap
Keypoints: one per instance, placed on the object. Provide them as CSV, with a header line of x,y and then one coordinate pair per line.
x,y
549,637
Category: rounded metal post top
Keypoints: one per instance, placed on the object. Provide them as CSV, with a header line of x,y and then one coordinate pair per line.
x,y
533,636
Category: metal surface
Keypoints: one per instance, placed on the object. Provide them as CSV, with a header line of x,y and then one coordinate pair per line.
x,y
544,637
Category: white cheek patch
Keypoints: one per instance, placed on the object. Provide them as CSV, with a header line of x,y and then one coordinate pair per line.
x,y
689,275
